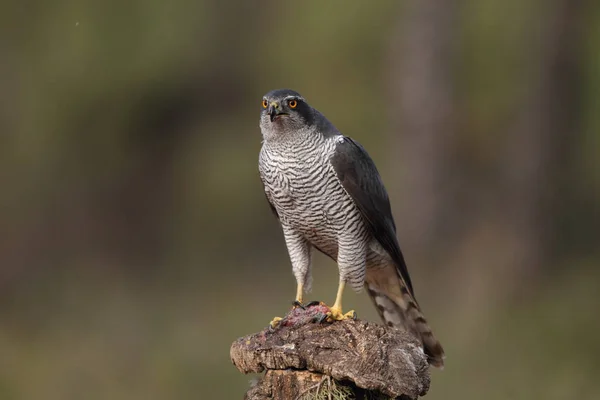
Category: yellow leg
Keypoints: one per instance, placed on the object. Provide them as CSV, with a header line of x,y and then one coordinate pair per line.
x,y
336,312
299,293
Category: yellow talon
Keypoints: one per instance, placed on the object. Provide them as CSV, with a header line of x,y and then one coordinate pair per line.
x,y
275,321
336,313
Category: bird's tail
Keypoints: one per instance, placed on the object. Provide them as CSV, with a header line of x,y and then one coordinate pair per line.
x,y
398,308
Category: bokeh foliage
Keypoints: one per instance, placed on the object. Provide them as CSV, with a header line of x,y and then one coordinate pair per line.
x,y
135,241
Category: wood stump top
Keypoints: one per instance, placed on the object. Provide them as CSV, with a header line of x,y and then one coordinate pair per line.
x,y
372,357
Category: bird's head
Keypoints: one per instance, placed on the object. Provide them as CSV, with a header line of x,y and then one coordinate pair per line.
x,y
284,112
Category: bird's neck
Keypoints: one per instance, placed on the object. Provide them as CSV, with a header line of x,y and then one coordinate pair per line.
x,y
298,140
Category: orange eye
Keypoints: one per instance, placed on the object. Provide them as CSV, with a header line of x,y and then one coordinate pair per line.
x,y
292,103
265,104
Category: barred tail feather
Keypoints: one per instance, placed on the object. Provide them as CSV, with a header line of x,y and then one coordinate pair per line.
x,y
400,310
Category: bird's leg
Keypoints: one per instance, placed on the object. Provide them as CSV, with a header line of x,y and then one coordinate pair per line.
x,y
299,293
299,249
336,313
297,303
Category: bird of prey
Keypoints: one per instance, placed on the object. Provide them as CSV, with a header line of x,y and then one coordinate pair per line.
x,y
327,194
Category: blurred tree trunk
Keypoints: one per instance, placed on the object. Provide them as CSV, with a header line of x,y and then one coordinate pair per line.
x,y
517,218
541,149
421,93
100,215
139,204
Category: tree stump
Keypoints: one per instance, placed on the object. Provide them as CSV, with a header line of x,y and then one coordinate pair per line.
x,y
306,358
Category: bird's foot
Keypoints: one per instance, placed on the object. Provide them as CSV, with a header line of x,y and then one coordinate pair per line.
x,y
297,304
314,311
275,322
336,314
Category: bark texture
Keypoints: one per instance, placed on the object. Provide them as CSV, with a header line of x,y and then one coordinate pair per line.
x,y
305,355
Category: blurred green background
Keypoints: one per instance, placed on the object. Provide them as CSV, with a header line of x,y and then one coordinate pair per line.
x,y
135,240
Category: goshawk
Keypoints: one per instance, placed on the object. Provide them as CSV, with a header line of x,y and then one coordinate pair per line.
x,y
327,194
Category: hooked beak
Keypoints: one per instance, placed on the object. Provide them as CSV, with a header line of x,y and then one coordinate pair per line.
x,y
274,110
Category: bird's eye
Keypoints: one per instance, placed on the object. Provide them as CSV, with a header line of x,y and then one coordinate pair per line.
x,y
265,104
292,103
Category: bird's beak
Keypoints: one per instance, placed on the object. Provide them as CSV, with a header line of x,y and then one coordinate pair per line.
x,y
274,110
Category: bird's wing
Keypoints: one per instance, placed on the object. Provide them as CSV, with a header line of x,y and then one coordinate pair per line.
x,y
360,178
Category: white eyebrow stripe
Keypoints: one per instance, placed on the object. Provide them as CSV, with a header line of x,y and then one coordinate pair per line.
x,y
294,97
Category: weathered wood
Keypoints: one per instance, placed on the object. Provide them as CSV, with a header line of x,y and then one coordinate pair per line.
x,y
286,384
301,353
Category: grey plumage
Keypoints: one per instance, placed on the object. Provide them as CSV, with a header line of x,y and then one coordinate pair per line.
x,y
327,194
